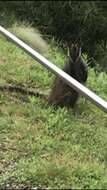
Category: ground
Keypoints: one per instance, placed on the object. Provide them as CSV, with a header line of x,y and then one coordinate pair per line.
x,y
43,147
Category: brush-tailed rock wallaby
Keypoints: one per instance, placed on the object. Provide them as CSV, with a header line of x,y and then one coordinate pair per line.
x,y
62,94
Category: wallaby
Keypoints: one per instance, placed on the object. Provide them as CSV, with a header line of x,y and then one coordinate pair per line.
x,y
62,94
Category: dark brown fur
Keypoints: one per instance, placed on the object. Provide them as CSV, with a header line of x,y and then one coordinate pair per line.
x,y
61,94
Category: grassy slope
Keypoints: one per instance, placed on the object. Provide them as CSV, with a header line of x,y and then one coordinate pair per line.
x,y
41,147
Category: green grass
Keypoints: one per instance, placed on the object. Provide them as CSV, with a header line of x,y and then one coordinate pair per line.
x,y
43,147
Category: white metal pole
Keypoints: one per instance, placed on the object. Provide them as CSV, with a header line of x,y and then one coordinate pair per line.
x,y
102,104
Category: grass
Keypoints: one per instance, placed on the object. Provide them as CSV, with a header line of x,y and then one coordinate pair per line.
x,y
47,148
32,36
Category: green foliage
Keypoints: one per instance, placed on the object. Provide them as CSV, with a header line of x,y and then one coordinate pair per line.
x,y
85,21
42,147
31,36
101,56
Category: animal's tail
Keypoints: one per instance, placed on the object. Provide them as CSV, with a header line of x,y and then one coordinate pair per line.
x,y
31,36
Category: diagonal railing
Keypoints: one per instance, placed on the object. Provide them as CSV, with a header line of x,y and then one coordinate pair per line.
x,y
99,102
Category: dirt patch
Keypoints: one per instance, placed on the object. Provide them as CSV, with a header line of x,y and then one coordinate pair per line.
x,y
2,61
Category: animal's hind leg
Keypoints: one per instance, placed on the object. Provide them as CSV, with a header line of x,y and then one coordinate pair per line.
x,y
73,99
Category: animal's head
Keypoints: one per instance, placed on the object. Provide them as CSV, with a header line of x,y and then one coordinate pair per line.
x,y
74,51
80,69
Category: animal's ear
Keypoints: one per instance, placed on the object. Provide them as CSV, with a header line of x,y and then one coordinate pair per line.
x,y
66,44
75,44
78,48
70,43
79,51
